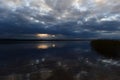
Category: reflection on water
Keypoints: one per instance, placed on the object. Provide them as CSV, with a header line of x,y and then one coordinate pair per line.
x,y
46,45
58,60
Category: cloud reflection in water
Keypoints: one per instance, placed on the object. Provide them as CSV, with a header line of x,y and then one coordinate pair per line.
x,y
51,60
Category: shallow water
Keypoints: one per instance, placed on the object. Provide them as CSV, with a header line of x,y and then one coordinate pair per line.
x,y
55,60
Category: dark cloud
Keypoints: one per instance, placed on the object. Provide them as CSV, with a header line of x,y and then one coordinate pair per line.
x,y
75,19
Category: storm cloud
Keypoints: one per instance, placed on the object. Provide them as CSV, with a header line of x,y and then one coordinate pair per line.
x,y
80,18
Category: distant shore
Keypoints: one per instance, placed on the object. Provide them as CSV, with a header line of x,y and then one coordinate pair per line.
x,y
13,40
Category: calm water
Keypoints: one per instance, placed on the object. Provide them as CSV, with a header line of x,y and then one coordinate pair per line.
x,y
56,60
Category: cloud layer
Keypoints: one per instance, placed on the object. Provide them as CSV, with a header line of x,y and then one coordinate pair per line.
x,y
70,17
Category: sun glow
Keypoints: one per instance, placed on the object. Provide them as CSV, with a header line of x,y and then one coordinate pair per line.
x,y
45,36
42,35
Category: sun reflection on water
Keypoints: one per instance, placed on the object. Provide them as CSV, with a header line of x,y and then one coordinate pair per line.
x,y
42,46
46,46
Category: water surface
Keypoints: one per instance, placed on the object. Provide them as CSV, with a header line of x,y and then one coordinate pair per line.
x,y
55,60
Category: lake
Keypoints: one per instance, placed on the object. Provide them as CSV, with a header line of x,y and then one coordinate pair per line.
x,y
56,60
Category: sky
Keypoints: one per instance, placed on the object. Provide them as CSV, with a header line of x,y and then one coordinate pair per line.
x,y
80,18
